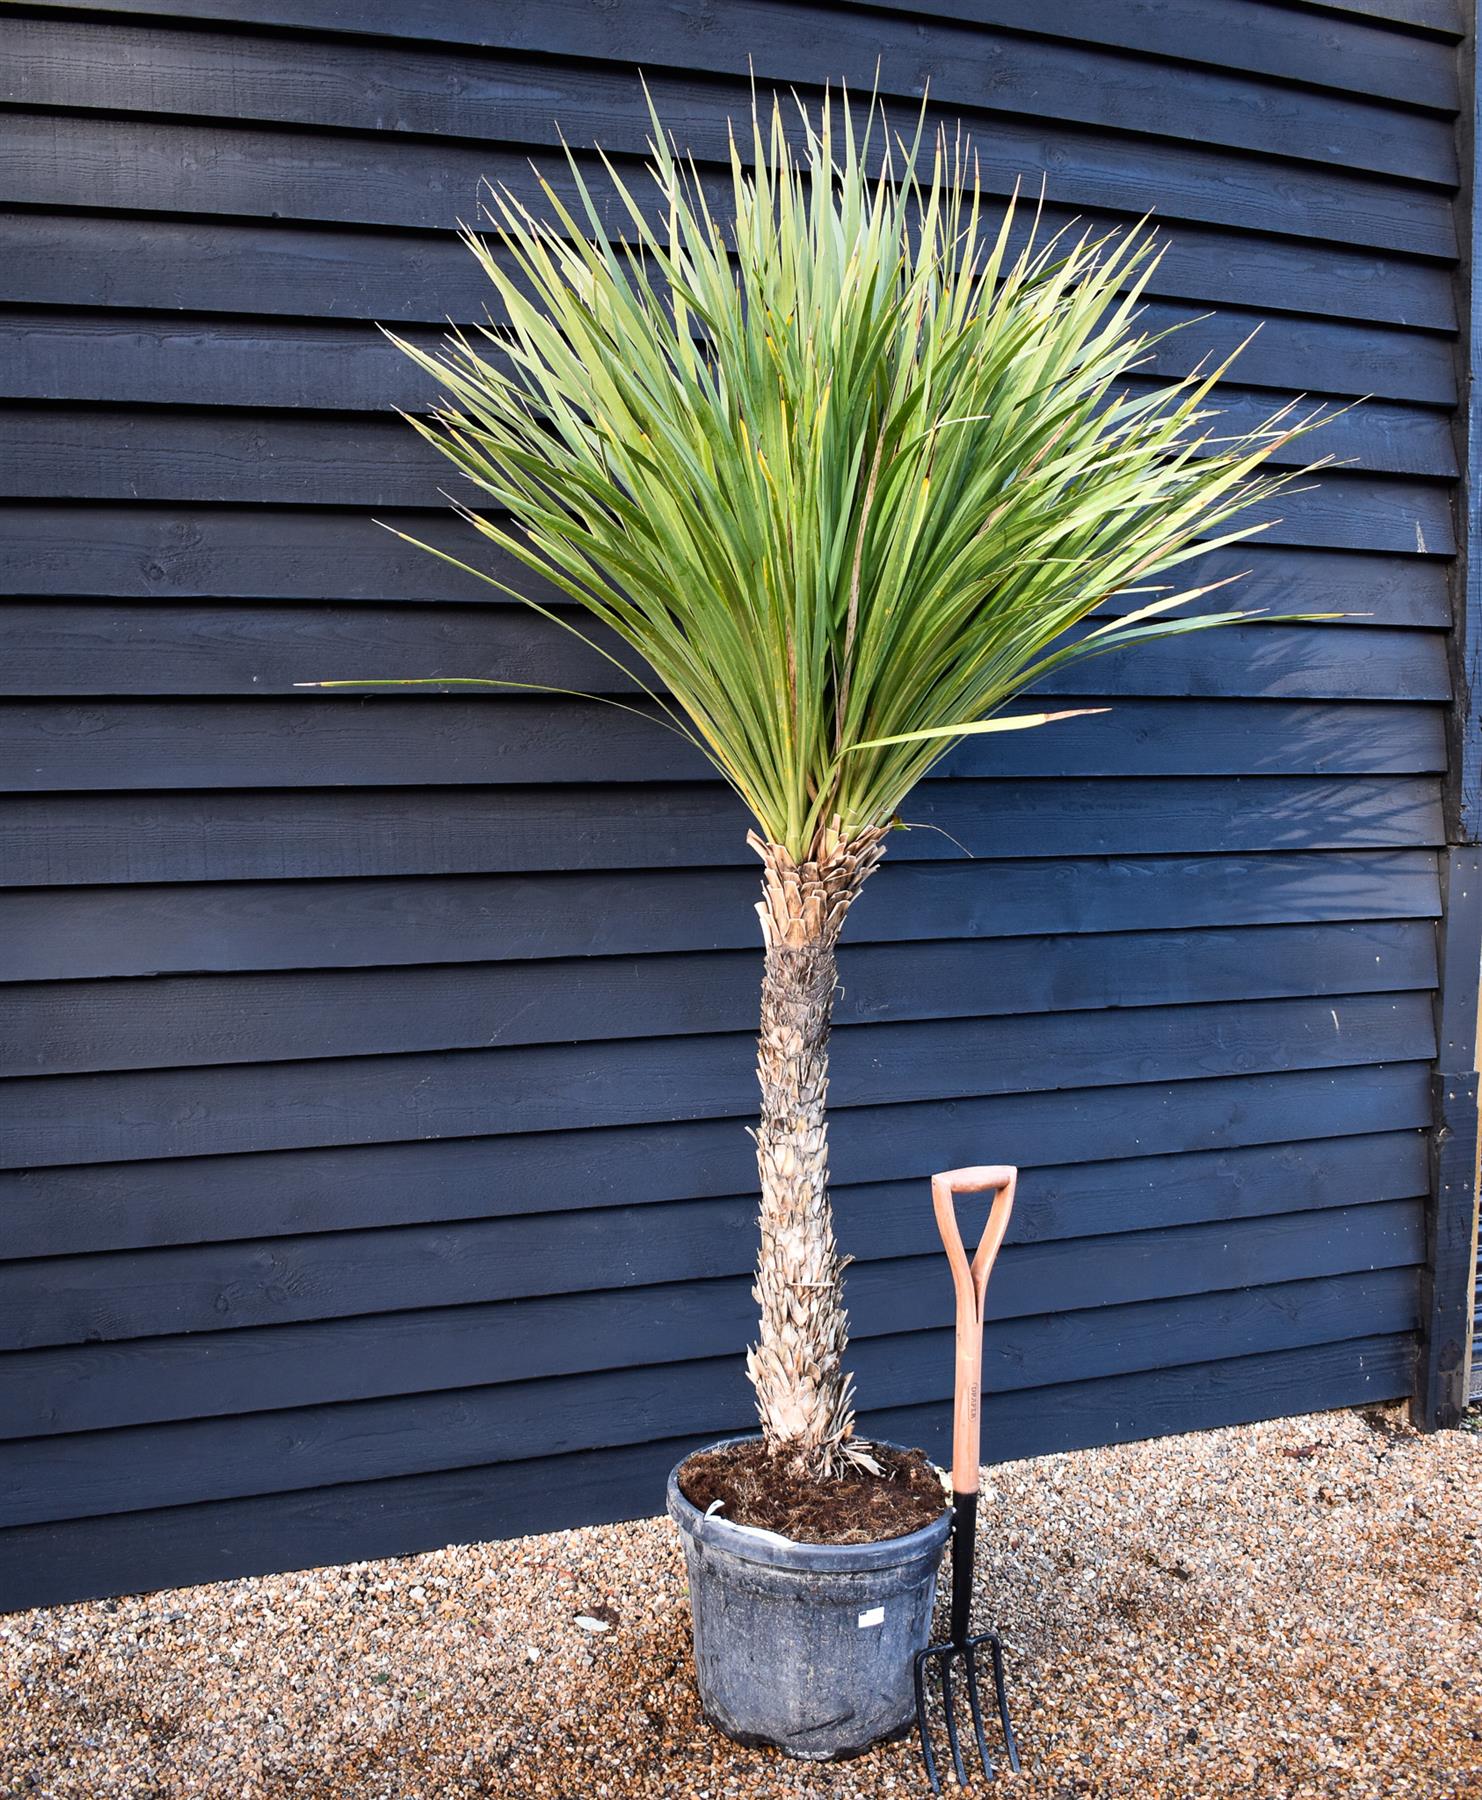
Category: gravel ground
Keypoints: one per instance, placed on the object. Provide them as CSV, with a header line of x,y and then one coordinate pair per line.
x,y
1274,1611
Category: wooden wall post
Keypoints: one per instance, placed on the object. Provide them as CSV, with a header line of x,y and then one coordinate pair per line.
x,y
1448,1287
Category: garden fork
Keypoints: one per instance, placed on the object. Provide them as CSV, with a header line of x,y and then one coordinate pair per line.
x,y
971,1283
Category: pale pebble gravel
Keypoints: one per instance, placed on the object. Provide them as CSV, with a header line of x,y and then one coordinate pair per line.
x,y
1275,1611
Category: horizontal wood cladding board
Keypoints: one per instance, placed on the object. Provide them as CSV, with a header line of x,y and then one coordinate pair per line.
x,y
176,650
169,1021
154,1380
276,458
55,840
93,1473
47,1563
397,88
1444,17
54,934
1379,438
407,85
53,159
249,1280
71,1210
165,555
151,359
98,453
1166,1400
104,747
1256,39
548,1088
656,1259
1360,54
98,1473
195,265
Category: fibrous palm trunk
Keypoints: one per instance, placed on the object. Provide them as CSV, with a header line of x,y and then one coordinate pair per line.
x,y
804,1396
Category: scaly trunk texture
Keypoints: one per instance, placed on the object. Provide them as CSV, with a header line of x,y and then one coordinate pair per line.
x,y
804,1398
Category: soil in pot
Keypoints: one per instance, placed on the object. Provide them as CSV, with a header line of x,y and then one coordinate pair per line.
x,y
856,1508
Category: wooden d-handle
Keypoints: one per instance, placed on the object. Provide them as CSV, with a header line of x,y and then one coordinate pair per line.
x,y
971,1282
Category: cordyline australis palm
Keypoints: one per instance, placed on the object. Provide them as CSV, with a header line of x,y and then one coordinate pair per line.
x,y
844,472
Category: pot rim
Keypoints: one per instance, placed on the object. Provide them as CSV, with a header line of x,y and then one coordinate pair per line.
x,y
770,1548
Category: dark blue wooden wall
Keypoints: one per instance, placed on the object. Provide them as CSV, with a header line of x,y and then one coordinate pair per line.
x,y
376,1164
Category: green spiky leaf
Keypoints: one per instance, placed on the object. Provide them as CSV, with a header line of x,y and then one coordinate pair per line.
x,y
848,472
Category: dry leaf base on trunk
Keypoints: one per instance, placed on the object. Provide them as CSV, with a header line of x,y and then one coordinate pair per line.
x,y
804,1396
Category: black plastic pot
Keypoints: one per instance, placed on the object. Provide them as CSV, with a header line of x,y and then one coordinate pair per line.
x,y
806,1646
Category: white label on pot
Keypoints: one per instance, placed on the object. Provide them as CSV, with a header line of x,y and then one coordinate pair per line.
x,y
875,1616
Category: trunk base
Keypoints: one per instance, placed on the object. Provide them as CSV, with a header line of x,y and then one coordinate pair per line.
x,y
762,1490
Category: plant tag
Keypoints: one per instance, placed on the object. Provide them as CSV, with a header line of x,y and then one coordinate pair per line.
x,y
875,1616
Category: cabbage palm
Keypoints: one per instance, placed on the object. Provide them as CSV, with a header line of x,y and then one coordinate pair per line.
x,y
847,472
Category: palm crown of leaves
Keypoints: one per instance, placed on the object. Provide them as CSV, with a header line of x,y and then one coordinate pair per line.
x,y
848,472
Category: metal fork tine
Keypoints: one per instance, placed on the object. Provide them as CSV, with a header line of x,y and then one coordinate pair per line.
x,y
1001,1690
950,1710
927,1754
970,1657
1002,1694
